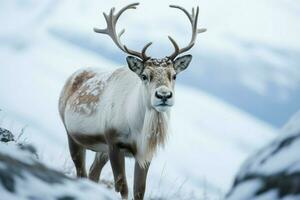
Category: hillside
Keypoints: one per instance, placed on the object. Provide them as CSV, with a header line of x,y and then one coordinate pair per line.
x,y
210,138
21,173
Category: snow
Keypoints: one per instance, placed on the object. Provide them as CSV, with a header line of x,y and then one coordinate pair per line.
x,y
274,168
14,152
24,174
209,139
260,162
204,131
292,126
246,188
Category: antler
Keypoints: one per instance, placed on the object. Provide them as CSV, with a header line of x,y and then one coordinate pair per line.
x,y
111,21
193,18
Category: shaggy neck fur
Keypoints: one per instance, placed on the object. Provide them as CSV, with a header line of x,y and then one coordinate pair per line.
x,y
153,135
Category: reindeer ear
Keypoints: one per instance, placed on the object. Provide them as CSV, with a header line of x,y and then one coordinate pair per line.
x,y
136,65
181,63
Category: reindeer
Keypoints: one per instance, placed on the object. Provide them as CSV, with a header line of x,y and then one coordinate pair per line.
x,y
123,113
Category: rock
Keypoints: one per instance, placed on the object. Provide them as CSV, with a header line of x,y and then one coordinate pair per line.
x,y
23,177
274,171
6,135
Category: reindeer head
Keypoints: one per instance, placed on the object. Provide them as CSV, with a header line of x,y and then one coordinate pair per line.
x,y
157,75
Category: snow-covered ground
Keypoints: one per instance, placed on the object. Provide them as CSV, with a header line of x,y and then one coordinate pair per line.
x,y
273,171
45,41
208,142
21,174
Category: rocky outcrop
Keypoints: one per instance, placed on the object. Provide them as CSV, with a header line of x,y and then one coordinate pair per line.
x,y
6,135
24,177
274,171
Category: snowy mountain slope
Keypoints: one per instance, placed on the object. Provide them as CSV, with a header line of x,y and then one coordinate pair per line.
x,y
21,174
205,130
210,138
273,172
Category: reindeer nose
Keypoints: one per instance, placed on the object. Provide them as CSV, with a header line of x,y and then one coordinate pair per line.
x,y
163,95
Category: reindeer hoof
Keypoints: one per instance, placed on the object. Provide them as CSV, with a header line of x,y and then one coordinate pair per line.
x,y
121,186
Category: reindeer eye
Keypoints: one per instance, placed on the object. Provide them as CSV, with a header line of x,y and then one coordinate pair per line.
x,y
144,77
174,77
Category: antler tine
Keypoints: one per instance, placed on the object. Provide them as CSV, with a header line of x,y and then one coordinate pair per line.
x,y
176,47
184,10
144,51
193,18
130,6
110,30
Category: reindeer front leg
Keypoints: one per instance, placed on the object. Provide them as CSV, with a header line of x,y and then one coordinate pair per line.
x,y
117,161
140,176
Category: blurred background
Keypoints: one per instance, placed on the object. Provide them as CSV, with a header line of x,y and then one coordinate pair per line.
x,y
243,83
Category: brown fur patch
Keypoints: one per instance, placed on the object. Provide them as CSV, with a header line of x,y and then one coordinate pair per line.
x,y
113,138
71,86
87,96
82,92
80,79
131,148
86,102
64,95
88,140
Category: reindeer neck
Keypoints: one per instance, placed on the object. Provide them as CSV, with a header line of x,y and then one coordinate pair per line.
x,y
153,130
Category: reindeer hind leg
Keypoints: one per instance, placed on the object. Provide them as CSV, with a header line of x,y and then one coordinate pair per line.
x,y
78,156
101,159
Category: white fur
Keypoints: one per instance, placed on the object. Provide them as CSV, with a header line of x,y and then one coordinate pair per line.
x,y
123,106
152,120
